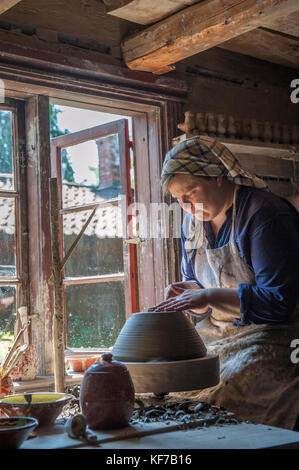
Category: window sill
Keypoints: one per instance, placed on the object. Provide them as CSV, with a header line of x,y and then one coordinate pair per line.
x,y
44,383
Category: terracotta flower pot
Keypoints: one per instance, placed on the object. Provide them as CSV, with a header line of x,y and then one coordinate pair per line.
x,y
82,363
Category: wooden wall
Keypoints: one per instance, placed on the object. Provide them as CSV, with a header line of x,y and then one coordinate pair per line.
x,y
221,81
241,86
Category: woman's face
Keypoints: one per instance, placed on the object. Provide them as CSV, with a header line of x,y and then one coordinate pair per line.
x,y
202,197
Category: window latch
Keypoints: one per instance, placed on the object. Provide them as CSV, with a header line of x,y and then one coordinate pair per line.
x,y
135,241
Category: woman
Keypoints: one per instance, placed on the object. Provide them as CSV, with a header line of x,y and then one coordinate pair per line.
x,y
240,278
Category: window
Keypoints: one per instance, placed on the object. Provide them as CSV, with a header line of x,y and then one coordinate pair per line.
x,y
94,171
141,279
12,216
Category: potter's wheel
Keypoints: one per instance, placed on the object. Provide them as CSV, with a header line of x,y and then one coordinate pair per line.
x,y
174,376
164,353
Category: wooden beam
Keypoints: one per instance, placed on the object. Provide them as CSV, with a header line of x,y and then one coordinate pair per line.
x,y
266,44
143,11
7,4
288,24
198,28
20,50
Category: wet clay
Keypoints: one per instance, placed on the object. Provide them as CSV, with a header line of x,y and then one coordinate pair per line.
x,y
164,353
158,336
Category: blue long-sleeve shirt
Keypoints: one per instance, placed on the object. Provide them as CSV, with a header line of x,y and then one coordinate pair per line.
x,y
267,235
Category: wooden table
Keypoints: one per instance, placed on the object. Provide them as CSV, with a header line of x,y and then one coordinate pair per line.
x,y
228,436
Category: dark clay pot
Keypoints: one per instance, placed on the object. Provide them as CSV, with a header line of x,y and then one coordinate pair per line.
x,y
107,394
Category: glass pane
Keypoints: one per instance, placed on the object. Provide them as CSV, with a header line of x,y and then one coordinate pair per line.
x,y
100,250
91,171
7,237
7,317
95,314
6,152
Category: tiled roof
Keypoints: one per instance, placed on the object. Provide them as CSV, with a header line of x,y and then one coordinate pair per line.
x,y
105,220
7,219
103,224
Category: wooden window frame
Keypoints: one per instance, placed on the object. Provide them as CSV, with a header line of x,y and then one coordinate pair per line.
x,y
120,128
19,194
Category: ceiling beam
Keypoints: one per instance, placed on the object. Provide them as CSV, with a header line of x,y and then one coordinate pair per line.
x,y
198,28
7,4
265,44
143,11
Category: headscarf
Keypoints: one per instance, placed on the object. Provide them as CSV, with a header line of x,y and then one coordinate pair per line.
x,y
205,156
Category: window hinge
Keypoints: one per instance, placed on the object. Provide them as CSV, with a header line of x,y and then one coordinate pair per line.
x,y
23,160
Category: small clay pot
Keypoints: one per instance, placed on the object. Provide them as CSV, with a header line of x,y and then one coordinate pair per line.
x,y
107,394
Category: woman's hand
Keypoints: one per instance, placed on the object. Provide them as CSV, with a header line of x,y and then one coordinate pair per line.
x,y
198,300
190,299
178,288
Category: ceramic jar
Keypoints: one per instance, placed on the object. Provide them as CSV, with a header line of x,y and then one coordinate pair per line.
x,y
6,388
27,366
107,394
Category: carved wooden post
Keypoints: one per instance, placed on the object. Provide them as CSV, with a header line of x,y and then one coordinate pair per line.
x,y
231,128
200,120
295,134
254,130
221,125
267,131
58,317
285,134
276,132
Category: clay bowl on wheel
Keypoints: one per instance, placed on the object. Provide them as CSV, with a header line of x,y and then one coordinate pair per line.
x,y
44,406
157,336
14,431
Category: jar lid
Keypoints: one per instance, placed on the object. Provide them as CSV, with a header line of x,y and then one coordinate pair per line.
x,y
108,365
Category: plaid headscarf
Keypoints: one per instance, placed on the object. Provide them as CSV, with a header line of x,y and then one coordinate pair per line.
x,y
204,156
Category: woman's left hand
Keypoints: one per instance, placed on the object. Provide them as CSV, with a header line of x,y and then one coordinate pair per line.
x,y
190,299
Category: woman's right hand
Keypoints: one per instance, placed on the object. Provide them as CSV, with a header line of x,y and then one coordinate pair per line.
x,y
178,287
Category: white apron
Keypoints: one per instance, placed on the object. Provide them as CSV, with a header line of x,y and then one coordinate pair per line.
x,y
258,380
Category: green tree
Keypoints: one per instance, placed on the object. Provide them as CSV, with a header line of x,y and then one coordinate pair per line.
x,y
55,131
6,165
6,162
